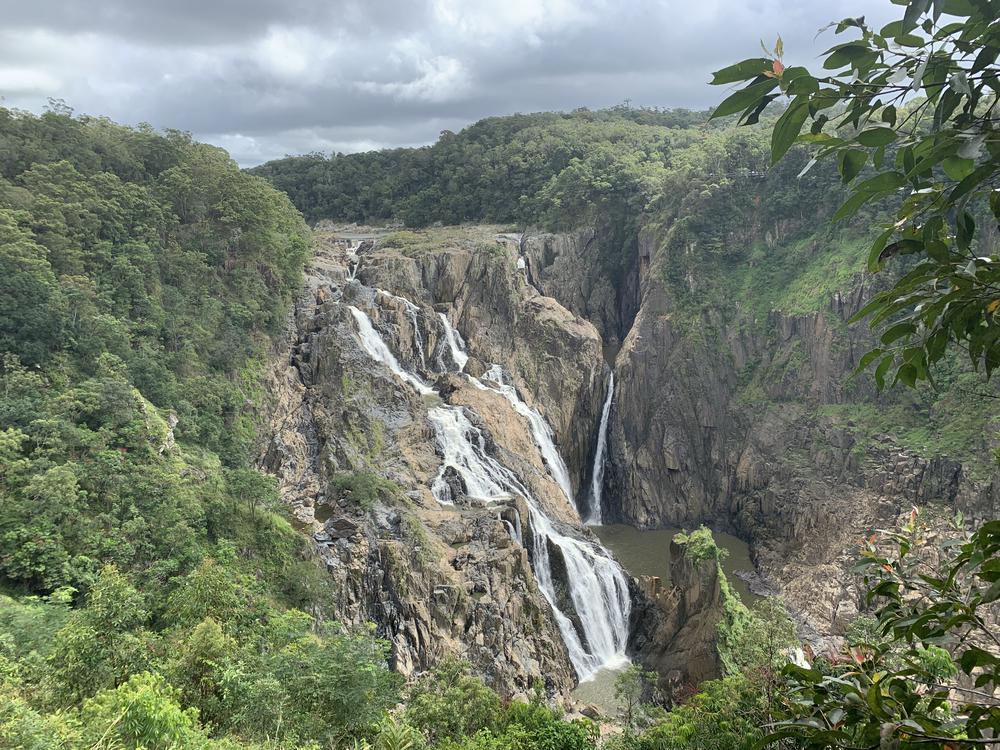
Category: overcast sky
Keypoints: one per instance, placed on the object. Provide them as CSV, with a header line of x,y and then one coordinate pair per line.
x,y
265,78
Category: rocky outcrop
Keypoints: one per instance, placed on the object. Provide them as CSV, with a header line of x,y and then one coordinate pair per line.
x,y
676,626
355,455
554,355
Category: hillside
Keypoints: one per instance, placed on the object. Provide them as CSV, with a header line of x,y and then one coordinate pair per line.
x,y
271,488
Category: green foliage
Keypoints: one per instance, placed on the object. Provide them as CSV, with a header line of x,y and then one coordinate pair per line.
x,y
755,640
635,692
141,714
936,157
545,167
895,685
365,488
725,714
448,703
699,546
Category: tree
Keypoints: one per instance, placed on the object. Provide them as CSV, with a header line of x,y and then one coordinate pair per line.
x,y
634,689
896,685
910,115
449,703
142,714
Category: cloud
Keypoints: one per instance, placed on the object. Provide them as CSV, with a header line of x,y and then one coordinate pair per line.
x,y
268,77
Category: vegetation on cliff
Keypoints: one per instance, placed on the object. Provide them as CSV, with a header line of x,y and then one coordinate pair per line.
x,y
155,596
937,156
925,671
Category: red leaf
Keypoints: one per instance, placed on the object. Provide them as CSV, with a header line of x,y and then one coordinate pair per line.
x,y
778,67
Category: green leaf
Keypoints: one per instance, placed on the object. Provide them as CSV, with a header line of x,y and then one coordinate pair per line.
x,y
914,9
876,137
848,54
897,332
851,205
741,71
881,183
969,183
868,358
880,373
958,168
875,253
745,97
786,130
804,84
976,657
852,161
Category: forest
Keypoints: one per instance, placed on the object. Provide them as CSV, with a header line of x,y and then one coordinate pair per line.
x,y
155,593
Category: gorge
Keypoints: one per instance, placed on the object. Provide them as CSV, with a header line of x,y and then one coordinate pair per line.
x,y
480,423
460,478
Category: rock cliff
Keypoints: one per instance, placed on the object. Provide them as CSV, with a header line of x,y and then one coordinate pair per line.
x,y
356,456
724,417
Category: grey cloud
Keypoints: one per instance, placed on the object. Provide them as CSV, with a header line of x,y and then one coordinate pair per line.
x,y
269,77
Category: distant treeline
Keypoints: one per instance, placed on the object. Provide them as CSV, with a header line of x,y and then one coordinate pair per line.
x,y
545,167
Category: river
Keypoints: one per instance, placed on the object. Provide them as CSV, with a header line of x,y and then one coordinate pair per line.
x,y
647,553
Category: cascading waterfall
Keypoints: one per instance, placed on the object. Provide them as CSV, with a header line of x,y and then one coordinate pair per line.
x,y
540,429
600,457
376,348
412,311
455,343
597,587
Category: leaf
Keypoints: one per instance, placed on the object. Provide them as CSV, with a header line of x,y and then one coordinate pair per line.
x,y
914,9
868,358
880,373
744,98
969,183
786,130
851,205
958,168
805,84
741,71
881,183
852,161
876,137
897,332
877,248
846,55
976,657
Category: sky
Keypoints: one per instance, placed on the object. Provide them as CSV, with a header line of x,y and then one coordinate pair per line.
x,y
268,78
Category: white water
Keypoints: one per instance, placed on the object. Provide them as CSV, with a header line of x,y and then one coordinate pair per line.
x,y
455,343
597,586
540,429
376,348
600,456
411,310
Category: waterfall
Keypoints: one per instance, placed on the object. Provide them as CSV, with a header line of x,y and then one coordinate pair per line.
x,y
412,311
597,588
600,456
376,348
455,344
540,429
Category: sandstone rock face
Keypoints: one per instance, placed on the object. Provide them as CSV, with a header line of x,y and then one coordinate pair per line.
x,y
355,454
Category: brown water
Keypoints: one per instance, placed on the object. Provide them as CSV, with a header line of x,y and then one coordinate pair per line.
x,y
647,553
